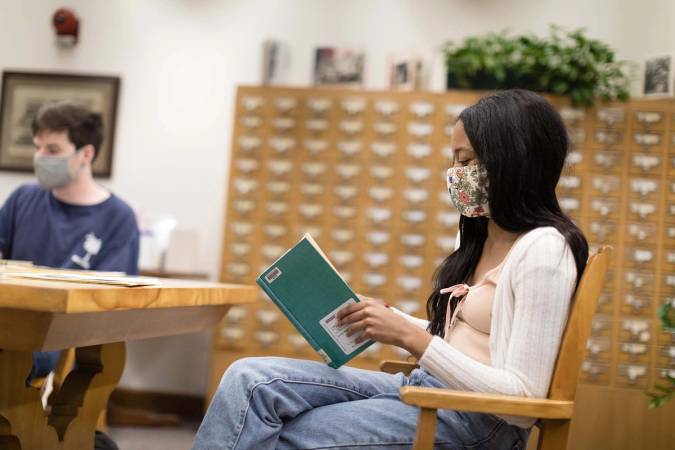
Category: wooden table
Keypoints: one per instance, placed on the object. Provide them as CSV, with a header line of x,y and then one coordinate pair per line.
x,y
96,320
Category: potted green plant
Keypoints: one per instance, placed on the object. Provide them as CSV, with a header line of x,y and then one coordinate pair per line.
x,y
664,392
565,63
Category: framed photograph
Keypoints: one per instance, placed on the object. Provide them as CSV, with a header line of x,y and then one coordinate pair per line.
x,y
275,62
270,65
405,73
24,92
338,67
658,77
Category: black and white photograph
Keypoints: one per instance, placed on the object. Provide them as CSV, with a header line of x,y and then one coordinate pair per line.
x,y
270,61
335,66
24,92
658,77
275,62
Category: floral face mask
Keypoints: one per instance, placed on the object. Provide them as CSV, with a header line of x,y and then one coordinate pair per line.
x,y
468,190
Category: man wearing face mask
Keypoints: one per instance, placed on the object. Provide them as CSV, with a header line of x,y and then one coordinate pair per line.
x,y
67,220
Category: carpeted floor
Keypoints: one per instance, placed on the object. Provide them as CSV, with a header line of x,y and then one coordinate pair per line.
x,y
139,438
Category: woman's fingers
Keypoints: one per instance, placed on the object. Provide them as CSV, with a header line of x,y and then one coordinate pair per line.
x,y
347,310
345,314
363,337
359,325
353,317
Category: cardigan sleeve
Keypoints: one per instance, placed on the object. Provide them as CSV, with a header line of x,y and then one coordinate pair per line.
x,y
541,283
415,320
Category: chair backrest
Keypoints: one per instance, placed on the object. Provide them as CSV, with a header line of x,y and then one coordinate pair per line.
x,y
573,346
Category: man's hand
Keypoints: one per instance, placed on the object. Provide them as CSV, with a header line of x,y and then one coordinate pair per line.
x,y
374,320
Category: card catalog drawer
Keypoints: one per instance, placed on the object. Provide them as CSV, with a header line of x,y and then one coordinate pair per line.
x,y
603,231
593,372
635,329
643,188
640,258
606,162
641,211
606,302
604,185
648,142
605,208
598,349
636,305
601,326
632,376
645,164
634,353
650,120
608,138
665,356
642,233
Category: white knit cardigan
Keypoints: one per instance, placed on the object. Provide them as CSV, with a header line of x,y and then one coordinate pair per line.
x,y
529,313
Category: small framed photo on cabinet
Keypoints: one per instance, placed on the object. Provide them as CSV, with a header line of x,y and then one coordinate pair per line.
x,y
659,80
405,73
338,67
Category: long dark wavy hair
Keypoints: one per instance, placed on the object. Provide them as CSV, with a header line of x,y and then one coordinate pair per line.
x,y
522,141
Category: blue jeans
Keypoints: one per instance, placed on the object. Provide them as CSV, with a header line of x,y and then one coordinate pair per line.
x,y
279,403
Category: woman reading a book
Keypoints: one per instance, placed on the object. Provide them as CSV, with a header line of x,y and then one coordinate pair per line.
x,y
497,311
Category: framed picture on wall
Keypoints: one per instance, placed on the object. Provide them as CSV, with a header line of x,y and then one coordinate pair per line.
x,y
659,80
24,92
338,67
405,73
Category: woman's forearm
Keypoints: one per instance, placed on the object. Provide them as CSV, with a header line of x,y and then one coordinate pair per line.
x,y
416,341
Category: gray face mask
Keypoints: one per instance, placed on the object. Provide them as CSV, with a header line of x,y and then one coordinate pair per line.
x,y
53,171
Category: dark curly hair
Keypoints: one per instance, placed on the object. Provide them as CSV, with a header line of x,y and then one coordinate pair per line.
x,y
84,127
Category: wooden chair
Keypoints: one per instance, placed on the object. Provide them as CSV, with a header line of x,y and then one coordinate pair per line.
x,y
554,412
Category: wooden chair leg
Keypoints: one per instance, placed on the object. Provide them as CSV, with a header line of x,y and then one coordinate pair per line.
x,y
553,435
102,422
426,430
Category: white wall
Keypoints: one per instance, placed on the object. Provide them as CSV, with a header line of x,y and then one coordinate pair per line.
x,y
181,60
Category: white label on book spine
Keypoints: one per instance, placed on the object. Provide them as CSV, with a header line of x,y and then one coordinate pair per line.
x,y
339,333
273,275
325,356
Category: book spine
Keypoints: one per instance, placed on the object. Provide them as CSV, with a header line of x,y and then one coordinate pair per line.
x,y
308,337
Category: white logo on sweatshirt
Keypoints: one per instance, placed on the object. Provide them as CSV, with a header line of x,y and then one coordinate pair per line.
x,y
92,245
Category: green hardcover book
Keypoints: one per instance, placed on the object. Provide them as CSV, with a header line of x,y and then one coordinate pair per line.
x,y
309,291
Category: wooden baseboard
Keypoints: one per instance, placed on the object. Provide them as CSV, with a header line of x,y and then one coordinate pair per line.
x,y
133,407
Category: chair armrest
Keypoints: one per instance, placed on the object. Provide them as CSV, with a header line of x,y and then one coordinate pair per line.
x,y
394,366
435,398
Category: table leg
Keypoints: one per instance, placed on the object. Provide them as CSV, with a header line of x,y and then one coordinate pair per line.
x,y
73,409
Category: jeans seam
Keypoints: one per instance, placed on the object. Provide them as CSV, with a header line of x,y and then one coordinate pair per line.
x,y
370,444
269,381
489,436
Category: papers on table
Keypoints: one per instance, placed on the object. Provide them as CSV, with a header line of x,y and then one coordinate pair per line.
x,y
94,278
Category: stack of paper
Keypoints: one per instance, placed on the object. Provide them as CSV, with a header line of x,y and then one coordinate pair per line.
x,y
84,277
